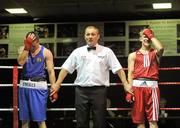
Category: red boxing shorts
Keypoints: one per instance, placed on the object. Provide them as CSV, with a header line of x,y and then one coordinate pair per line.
x,y
147,97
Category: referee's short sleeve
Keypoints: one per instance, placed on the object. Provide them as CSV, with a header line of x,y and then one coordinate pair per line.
x,y
113,62
70,63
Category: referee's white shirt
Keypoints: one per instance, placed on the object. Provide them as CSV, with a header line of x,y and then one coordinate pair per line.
x,y
92,66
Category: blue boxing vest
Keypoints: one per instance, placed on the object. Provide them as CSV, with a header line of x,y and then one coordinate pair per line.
x,y
35,66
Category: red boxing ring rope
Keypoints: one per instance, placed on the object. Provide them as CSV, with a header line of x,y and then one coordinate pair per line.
x,y
15,97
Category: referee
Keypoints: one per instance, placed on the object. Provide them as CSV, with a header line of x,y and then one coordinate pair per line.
x,y
92,62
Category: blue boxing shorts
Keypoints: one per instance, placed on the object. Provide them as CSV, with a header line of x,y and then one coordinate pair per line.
x,y
33,100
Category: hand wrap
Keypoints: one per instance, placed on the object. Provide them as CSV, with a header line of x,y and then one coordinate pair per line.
x,y
148,33
129,97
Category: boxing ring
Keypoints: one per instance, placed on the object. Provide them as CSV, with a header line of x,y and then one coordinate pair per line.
x,y
14,86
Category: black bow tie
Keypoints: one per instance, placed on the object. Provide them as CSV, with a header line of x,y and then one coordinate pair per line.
x,y
91,48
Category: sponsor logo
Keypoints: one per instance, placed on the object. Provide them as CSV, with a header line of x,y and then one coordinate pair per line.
x,y
25,84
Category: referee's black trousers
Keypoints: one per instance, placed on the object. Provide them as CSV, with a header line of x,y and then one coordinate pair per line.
x,y
90,99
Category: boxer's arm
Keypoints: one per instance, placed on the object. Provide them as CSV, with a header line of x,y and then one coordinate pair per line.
x,y
156,43
126,85
50,69
131,60
158,46
62,74
55,87
23,55
50,65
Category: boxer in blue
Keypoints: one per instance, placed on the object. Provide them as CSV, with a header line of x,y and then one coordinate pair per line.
x,y
33,89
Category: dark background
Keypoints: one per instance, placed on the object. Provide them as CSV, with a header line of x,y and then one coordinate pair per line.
x,y
86,10
49,11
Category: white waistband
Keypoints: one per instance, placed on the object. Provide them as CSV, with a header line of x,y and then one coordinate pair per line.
x,y
33,85
144,83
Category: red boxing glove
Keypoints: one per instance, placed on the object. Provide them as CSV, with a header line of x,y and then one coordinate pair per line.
x,y
28,41
129,97
27,45
148,33
54,97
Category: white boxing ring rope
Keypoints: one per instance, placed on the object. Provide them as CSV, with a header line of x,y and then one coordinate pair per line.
x,y
70,84
49,109
19,67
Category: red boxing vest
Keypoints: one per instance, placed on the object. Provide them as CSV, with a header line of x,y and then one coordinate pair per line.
x,y
146,65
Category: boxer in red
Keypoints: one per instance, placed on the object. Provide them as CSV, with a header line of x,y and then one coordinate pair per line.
x,y
143,76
